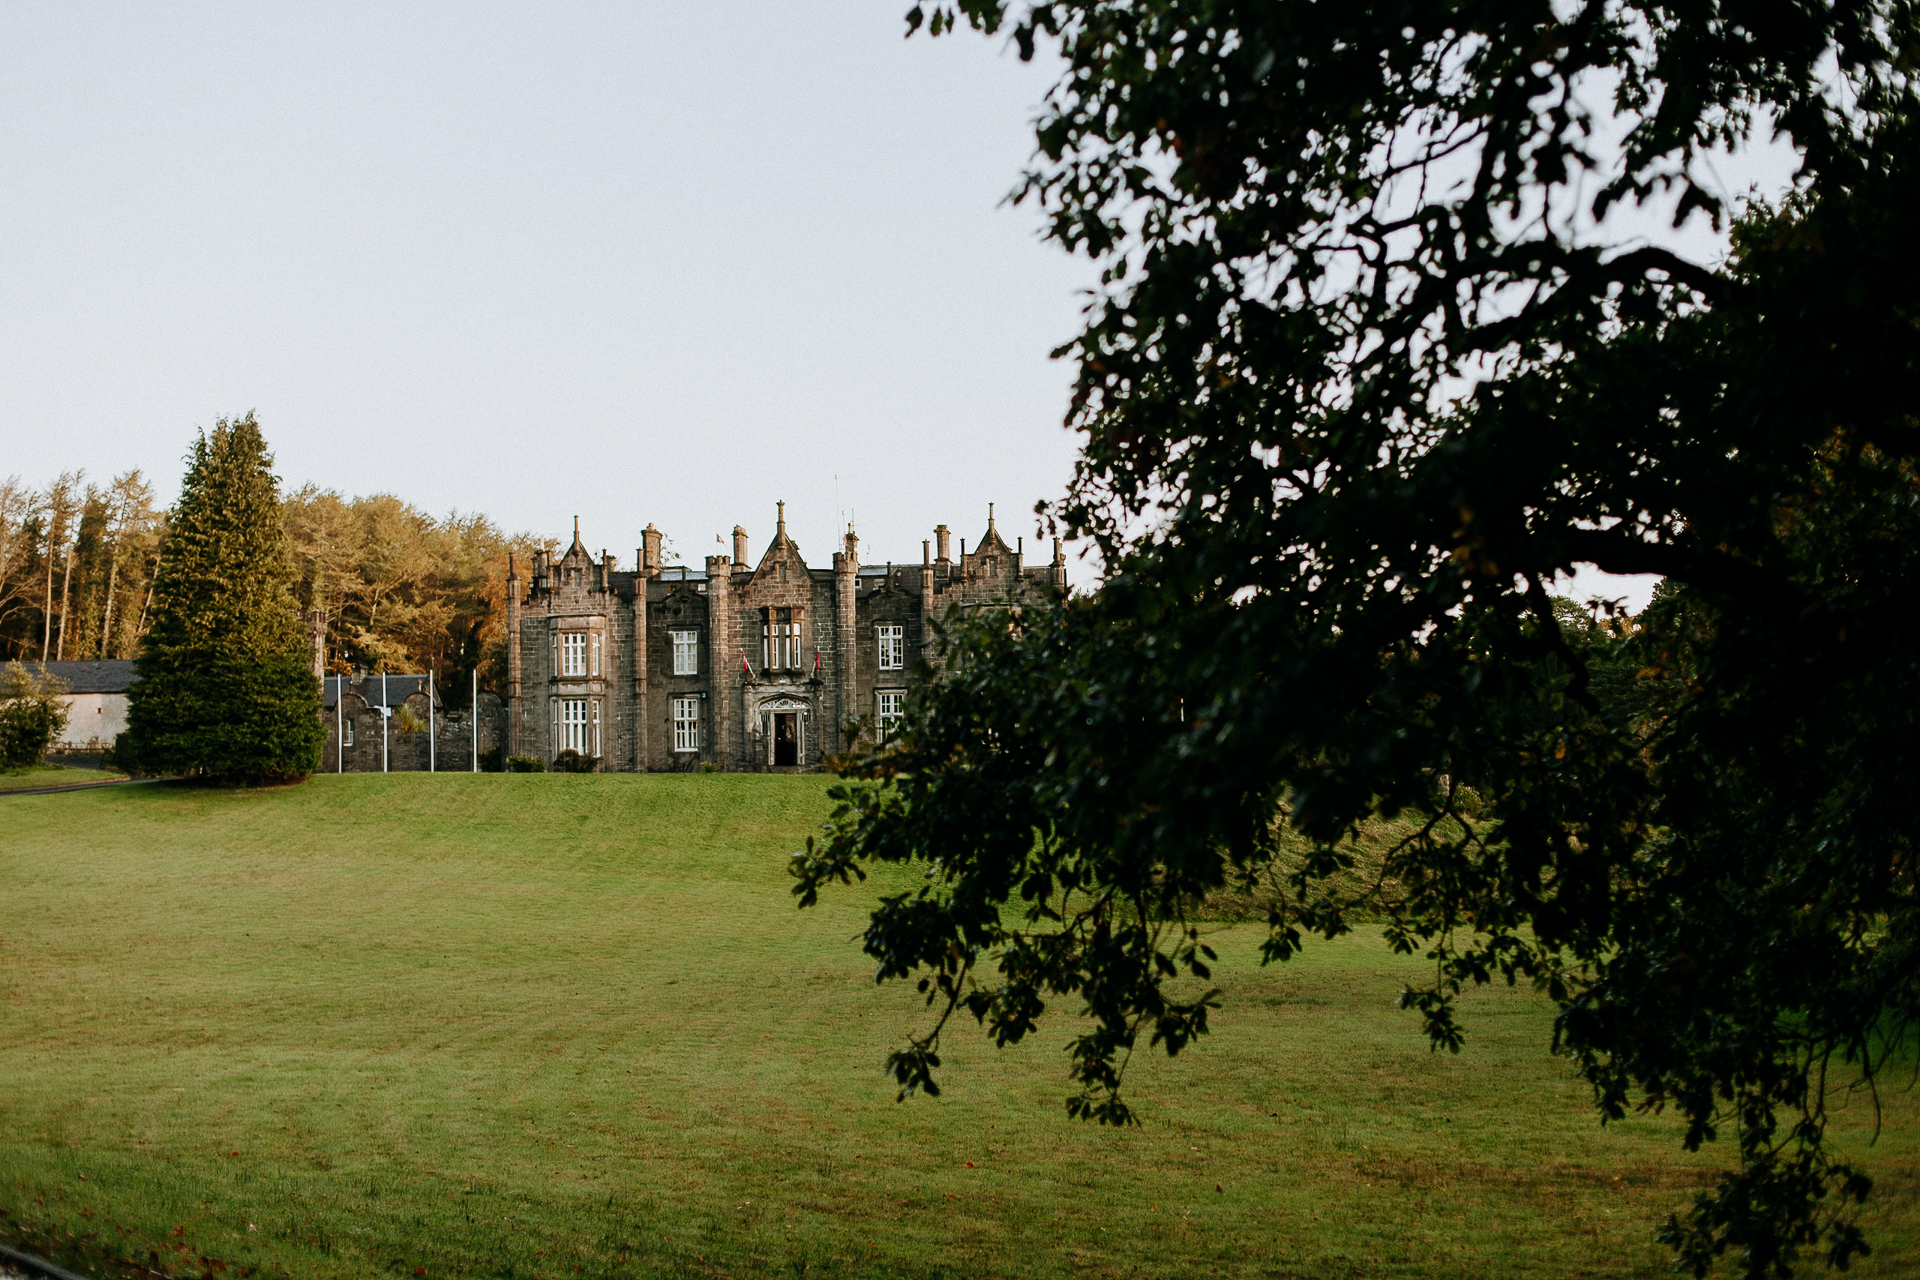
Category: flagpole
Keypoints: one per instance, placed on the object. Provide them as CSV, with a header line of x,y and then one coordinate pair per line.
x,y
475,710
386,713
339,720
432,765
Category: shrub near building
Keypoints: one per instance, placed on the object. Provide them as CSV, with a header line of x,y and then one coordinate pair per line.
x,y
32,714
226,690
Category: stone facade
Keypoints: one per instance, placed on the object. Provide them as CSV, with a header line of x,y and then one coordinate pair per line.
x,y
737,666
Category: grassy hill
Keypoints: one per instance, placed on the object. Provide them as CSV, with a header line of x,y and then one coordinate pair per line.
x,y
548,1025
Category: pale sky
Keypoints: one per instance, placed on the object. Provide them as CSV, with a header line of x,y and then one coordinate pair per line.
x,y
626,261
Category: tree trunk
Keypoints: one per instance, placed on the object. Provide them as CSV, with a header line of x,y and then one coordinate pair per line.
x,y
46,609
66,581
106,623
141,625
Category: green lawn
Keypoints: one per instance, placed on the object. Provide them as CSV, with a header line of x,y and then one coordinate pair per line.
x,y
549,1025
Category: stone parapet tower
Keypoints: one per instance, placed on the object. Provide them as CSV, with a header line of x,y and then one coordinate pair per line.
x,y
846,585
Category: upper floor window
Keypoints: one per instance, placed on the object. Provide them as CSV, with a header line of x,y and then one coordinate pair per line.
x,y
686,653
596,653
573,653
781,646
893,647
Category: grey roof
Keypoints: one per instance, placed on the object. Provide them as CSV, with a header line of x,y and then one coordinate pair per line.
x,y
680,573
398,689
109,675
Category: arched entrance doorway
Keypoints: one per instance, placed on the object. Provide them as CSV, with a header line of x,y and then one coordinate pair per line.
x,y
781,725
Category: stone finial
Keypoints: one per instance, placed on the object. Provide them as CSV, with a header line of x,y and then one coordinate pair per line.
x,y
781,530
989,519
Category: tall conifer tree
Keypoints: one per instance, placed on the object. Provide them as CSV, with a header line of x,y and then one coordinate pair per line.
x,y
226,690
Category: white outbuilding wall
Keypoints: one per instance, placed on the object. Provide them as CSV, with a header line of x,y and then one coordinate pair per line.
x,y
93,720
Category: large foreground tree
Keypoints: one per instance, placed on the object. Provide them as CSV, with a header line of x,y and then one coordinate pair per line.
x,y
226,688
1383,349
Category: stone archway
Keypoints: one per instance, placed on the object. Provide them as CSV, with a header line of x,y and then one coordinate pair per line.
x,y
783,726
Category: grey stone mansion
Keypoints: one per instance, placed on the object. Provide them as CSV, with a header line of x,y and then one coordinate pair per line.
x,y
742,665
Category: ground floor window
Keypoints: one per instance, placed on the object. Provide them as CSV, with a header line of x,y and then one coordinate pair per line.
x,y
889,704
346,732
573,725
686,724
596,727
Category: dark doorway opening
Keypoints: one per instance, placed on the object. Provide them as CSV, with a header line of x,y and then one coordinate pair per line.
x,y
786,739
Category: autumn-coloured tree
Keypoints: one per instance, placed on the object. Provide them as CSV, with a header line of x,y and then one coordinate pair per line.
x,y
402,590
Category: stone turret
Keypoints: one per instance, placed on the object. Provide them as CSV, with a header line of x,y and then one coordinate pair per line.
x,y
846,582
513,654
723,628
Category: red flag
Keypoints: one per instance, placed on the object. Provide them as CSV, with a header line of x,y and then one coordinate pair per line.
x,y
744,667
